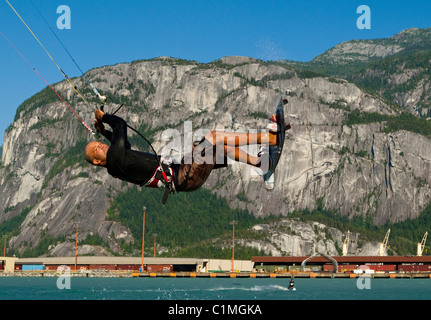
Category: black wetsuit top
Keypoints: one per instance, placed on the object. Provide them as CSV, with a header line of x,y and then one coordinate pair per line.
x,y
122,162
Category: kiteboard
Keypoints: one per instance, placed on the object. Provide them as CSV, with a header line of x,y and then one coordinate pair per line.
x,y
276,150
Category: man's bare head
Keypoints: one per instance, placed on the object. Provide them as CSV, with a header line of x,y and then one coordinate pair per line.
x,y
95,153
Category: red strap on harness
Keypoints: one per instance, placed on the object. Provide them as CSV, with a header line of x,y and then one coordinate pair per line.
x,y
165,177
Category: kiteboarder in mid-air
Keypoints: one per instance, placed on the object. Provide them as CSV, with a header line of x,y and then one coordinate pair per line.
x,y
147,169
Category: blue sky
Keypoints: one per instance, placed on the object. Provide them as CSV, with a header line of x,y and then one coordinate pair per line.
x,y
108,32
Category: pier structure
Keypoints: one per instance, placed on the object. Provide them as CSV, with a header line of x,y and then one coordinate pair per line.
x,y
8,263
317,266
321,262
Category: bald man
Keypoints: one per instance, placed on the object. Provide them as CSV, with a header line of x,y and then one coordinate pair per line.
x,y
145,169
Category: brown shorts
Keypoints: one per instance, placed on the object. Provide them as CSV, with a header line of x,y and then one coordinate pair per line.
x,y
192,174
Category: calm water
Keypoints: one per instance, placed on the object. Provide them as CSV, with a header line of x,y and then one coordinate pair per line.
x,y
211,289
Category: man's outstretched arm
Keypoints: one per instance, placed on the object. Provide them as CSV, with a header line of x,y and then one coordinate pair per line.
x,y
99,125
118,125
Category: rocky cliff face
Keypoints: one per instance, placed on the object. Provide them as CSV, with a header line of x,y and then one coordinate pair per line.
x,y
355,170
295,238
397,68
368,50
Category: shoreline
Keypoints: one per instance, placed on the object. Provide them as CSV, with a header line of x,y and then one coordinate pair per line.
x,y
236,275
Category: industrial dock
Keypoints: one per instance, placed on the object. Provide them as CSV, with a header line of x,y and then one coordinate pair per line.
x,y
318,266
